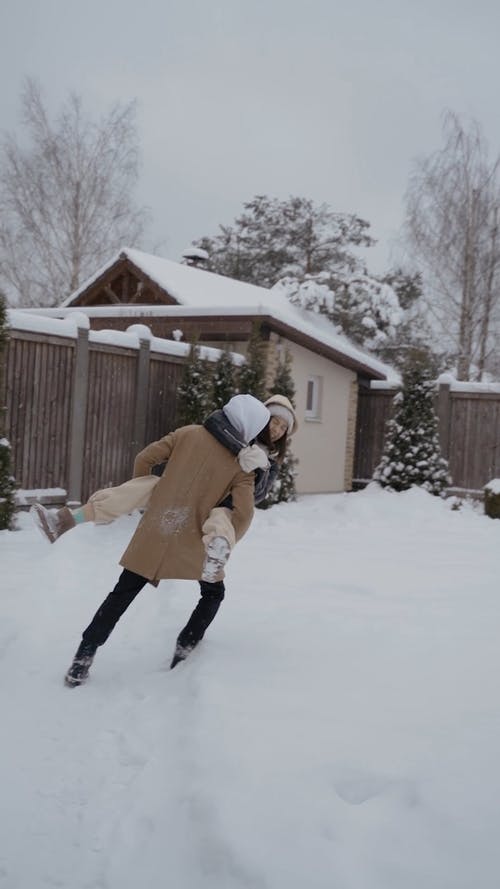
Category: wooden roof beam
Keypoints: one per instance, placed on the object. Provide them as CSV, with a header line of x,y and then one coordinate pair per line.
x,y
136,298
112,295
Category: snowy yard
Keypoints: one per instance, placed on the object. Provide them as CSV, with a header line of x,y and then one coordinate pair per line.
x,y
339,727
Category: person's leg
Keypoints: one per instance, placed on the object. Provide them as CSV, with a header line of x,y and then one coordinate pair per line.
x,y
107,615
212,595
102,507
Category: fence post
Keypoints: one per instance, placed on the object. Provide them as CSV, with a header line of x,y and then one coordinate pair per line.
x,y
141,397
78,416
443,412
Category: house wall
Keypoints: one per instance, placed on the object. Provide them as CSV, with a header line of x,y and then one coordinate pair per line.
x,y
324,447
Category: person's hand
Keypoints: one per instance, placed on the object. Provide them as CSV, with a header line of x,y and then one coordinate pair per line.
x,y
252,457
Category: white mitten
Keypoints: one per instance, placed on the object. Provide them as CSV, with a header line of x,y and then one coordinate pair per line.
x,y
252,457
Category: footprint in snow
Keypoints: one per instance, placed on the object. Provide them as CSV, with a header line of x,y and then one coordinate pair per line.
x,y
358,789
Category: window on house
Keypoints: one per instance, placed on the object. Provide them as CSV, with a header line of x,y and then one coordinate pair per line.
x,y
313,398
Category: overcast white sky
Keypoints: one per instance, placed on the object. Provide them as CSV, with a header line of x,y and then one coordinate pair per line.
x,y
317,98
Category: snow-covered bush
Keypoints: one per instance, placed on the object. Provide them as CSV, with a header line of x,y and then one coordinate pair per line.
x,y
412,453
252,374
223,380
284,489
194,395
492,499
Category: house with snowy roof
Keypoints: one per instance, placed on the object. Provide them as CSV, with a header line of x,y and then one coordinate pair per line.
x,y
176,300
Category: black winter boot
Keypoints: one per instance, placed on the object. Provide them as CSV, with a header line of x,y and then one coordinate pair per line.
x,y
82,661
180,654
212,595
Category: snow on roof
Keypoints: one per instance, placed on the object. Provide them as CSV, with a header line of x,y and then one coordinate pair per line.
x,y
196,289
196,252
190,286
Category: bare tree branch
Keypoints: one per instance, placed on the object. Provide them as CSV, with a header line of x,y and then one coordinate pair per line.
x,y
66,197
451,204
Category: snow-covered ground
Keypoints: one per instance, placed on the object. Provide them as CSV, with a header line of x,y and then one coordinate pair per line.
x,y
338,728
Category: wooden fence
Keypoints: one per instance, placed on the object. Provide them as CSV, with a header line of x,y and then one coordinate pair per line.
x,y
469,432
77,411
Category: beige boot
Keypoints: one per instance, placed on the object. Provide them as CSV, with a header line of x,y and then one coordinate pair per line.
x,y
52,524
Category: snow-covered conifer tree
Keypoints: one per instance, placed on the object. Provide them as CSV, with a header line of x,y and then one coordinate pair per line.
x,y
251,378
412,453
7,483
194,398
223,380
284,486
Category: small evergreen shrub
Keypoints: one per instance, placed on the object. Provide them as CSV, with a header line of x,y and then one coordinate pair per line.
x,y
223,380
252,374
492,499
284,489
194,395
412,453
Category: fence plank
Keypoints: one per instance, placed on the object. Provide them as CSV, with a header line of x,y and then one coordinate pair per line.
x,y
110,419
164,379
374,409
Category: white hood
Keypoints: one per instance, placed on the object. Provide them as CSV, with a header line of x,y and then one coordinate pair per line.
x,y
247,414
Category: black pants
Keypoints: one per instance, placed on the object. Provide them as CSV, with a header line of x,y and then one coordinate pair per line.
x,y
125,591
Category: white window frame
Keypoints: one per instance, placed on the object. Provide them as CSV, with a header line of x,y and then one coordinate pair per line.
x,y
314,397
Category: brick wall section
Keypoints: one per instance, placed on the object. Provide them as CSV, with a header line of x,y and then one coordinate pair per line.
x,y
351,436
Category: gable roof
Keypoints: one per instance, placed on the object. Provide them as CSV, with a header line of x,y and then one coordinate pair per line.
x,y
186,284
200,293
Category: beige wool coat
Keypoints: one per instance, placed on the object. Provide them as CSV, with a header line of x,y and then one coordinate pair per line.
x,y
199,473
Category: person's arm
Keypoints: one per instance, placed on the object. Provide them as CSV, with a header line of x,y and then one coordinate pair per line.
x,y
242,511
156,452
264,480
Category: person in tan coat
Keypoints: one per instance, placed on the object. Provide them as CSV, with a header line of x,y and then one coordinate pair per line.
x,y
202,504
108,504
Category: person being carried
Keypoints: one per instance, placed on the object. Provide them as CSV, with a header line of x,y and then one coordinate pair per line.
x,y
194,513
108,504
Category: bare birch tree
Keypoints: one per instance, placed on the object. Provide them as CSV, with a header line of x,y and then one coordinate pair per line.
x,y
452,228
65,197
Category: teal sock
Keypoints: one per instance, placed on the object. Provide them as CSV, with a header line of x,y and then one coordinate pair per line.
x,y
78,515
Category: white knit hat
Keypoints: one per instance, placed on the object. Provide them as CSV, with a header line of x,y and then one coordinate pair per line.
x,y
279,410
281,401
